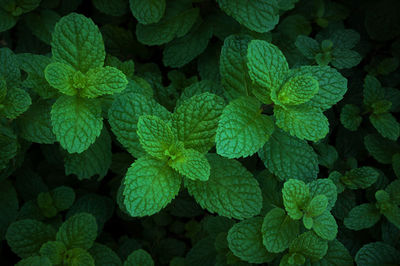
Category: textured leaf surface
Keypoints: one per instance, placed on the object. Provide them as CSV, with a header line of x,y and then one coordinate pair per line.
x,y
155,135
245,241
104,255
242,129
77,42
25,237
350,117
289,157
78,231
192,164
377,253
231,190
10,70
35,261
103,80
325,226
386,124
295,195
310,245
380,148
147,11
76,122
337,255
362,216
362,177
61,77
16,102
54,250
176,23
278,230
258,15
267,64
139,257
302,121
150,185
114,8
298,90
181,51
78,256
332,85
196,120
324,186
124,115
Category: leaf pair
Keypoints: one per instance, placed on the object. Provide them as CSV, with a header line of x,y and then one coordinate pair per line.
x,y
300,95
77,72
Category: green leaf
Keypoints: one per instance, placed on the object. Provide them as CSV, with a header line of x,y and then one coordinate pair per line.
x,y
35,65
42,24
63,197
325,187
123,117
302,121
231,190
147,12
104,256
7,21
78,231
16,102
181,51
246,242
150,184
278,230
325,226
380,148
298,90
373,91
77,42
35,260
317,206
289,157
77,122
233,69
350,117
114,8
307,46
96,160
139,257
176,22
196,120
332,85
362,177
309,245
386,124
295,195
337,255
394,191
267,64
242,129
344,58
35,124
377,253
192,164
256,15
54,250
102,81
10,70
25,237
78,256
362,216
393,215
155,135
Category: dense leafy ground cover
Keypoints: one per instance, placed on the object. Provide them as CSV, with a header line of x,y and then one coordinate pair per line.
x,y
199,132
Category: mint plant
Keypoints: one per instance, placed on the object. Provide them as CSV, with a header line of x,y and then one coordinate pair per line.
x,y
198,132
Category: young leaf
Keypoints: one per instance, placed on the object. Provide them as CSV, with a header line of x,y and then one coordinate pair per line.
x,y
62,77
192,164
298,90
295,195
325,226
310,246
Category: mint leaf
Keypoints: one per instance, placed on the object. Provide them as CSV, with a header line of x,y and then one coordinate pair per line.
x,y
192,164
139,257
386,124
362,216
295,195
245,241
124,115
147,12
196,120
78,231
77,122
350,117
325,226
242,129
377,253
54,250
309,245
256,15
278,230
62,77
298,90
289,157
231,190
150,184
